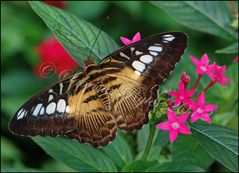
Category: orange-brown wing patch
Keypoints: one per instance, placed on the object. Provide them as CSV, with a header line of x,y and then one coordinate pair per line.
x,y
131,99
95,124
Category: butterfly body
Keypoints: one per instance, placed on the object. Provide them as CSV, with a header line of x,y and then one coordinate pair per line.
x,y
118,93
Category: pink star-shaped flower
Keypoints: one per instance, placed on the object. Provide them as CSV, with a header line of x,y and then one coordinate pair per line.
x,y
127,42
175,124
218,72
201,110
182,95
202,66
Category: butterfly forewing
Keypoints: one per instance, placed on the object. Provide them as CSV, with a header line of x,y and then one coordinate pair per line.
x,y
117,93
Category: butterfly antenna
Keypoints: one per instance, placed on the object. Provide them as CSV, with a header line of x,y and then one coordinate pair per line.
x,y
98,35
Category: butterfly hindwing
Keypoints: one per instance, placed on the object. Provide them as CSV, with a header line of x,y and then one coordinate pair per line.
x,y
117,93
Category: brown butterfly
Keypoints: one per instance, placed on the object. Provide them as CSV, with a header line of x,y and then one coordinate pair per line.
x,y
118,93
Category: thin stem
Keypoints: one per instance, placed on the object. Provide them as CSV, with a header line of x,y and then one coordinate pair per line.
x,y
150,140
209,85
197,82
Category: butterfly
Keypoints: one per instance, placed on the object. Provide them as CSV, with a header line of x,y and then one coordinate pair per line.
x,y
118,93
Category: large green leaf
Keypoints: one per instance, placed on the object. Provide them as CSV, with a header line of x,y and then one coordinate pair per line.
x,y
80,157
186,149
81,8
146,166
138,166
208,16
231,49
221,143
175,167
77,35
119,151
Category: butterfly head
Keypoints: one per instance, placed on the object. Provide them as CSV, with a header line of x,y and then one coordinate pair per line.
x,y
88,63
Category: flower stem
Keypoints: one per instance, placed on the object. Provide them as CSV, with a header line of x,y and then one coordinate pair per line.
x,y
197,82
209,85
150,140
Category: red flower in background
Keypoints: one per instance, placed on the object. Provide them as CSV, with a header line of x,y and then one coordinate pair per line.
x,y
53,57
60,4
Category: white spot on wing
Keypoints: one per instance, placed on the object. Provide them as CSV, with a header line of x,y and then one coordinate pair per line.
x,y
153,53
50,90
138,66
168,37
61,105
132,49
61,87
42,111
51,108
146,59
156,48
123,55
50,98
138,52
20,114
37,109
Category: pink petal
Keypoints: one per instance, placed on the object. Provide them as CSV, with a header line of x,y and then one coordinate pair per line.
x,y
136,37
177,102
193,106
174,94
171,115
194,60
225,79
181,87
211,75
125,41
223,69
184,129
204,59
189,103
195,116
210,107
164,126
206,118
182,118
199,71
190,92
201,99
173,134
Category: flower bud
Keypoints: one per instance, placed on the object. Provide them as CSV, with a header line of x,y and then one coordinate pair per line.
x,y
185,79
170,103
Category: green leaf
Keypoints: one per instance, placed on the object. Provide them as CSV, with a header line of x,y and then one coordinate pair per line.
x,y
80,157
77,35
81,8
175,167
146,166
118,151
231,49
221,143
138,166
212,17
186,149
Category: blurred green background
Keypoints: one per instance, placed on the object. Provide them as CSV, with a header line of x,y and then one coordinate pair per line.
x,y
22,30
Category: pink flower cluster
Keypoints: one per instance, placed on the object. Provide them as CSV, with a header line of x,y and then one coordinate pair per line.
x,y
194,109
